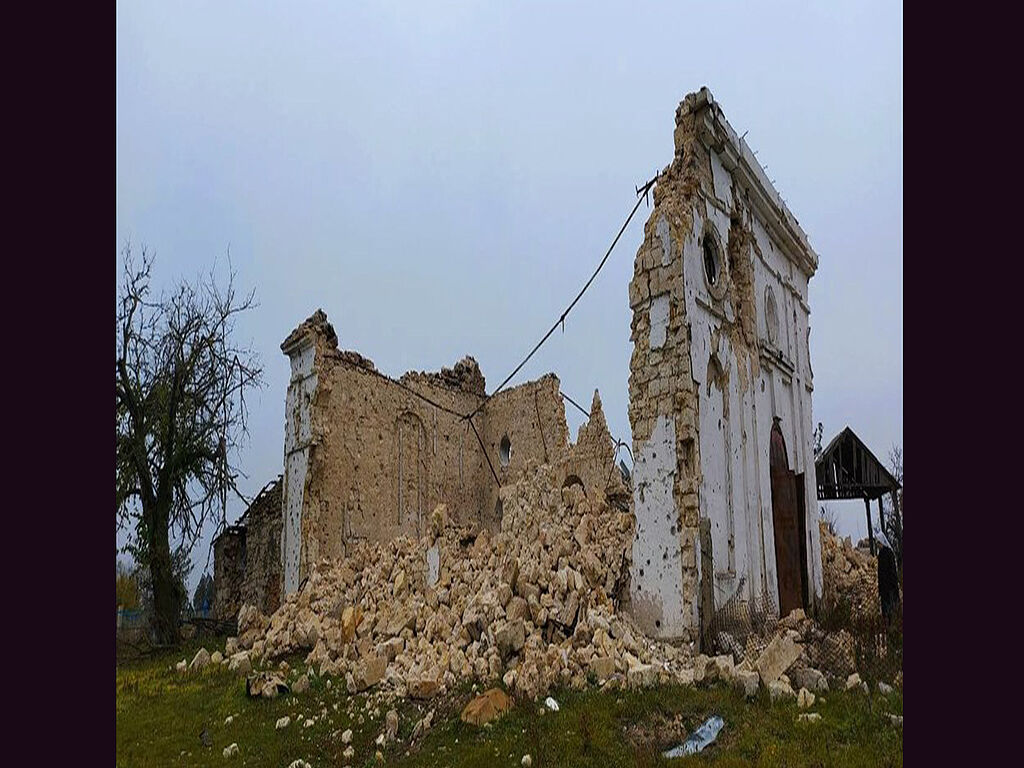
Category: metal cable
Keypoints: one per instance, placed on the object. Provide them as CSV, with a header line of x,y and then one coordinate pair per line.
x,y
641,196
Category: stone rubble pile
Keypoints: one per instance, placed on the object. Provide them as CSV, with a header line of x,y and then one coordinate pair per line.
x,y
849,574
535,604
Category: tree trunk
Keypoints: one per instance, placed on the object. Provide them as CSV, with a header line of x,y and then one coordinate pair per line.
x,y
166,601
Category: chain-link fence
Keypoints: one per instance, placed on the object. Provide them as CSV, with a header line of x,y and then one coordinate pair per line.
x,y
837,640
743,627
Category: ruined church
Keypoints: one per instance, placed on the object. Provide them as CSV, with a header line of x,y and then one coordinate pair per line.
x,y
720,411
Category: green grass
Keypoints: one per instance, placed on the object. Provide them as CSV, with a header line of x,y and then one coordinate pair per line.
x,y
161,712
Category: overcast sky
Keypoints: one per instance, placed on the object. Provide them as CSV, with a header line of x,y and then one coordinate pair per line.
x,y
441,178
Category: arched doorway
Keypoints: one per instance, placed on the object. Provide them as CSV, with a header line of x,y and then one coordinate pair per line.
x,y
788,525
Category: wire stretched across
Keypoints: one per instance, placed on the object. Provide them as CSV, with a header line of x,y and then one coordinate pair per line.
x,y
641,196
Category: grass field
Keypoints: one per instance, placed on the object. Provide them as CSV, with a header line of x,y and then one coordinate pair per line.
x,y
160,714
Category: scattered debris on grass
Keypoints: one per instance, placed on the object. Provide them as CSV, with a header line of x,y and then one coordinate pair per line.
x,y
699,739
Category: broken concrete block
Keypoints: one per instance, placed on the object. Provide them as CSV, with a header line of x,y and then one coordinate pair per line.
x,y
778,689
603,667
200,660
854,681
777,658
809,678
804,698
367,672
486,707
642,676
425,685
510,638
240,663
747,681
719,668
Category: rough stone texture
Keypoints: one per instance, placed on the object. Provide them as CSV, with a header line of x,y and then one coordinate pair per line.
x,y
391,724
708,375
603,667
240,663
849,576
247,558
747,681
809,678
366,460
228,572
777,658
428,637
262,583
200,660
779,689
486,707
719,668
510,638
269,685
367,672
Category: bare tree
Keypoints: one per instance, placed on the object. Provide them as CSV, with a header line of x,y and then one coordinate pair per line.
x,y
892,521
896,463
181,384
816,437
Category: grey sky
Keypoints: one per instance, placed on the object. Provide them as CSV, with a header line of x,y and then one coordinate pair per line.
x,y
442,178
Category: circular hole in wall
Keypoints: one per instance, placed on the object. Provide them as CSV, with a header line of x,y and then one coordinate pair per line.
x,y
505,452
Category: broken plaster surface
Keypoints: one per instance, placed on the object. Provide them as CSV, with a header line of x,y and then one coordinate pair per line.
x,y
298,438
375,459
659,321
698,361
656,587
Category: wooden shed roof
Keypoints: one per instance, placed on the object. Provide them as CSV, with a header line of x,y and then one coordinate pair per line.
x,y
847,469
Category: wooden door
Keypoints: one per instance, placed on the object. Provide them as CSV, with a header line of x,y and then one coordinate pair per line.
x,y
785,518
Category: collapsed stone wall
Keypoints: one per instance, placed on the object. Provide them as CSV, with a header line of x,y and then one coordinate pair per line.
x,y
536,602
261,585
228,573
367,458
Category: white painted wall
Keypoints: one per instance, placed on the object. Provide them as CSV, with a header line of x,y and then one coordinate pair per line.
x,y
656,579
659,321
735,480
298,435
